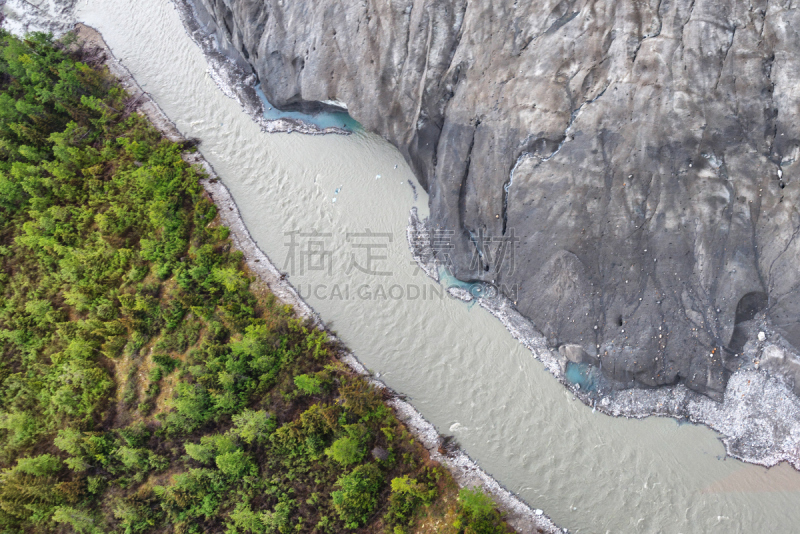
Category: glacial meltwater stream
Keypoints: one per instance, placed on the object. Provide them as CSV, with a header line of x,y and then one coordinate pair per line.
x,y
332,210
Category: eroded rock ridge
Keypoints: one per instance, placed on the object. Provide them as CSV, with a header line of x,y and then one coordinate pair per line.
x,y
641,157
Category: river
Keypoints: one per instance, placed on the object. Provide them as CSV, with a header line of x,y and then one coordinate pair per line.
x,y
332,211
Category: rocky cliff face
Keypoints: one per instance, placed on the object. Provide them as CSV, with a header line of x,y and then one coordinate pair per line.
x,y
625,171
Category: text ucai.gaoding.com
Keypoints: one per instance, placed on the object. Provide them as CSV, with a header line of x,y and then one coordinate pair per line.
x,y
388,292
385,292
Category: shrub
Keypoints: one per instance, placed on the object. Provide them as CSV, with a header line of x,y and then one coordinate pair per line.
x,y
476,514
42,465
135,435
346,451
244,519
236,464
21,429
309,385
202,453
251,425
358,497
279,520
80,521
360,398
133,459
407,495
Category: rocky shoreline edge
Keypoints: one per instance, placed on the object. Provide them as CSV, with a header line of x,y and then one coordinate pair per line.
x,y
464,470
759,419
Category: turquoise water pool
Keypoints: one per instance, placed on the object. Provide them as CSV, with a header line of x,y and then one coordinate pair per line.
x,y
336,119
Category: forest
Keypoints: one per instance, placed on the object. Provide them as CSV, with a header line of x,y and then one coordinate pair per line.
x,y
150,383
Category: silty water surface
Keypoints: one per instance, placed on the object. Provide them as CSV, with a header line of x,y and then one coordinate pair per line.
x,y
457,364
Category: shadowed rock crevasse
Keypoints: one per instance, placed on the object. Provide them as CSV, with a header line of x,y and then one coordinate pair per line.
x,y
641,156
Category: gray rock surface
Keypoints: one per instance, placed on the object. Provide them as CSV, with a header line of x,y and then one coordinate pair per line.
x,y
626,172
49,16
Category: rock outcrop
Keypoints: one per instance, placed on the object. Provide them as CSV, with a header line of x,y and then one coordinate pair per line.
x,y
626,172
